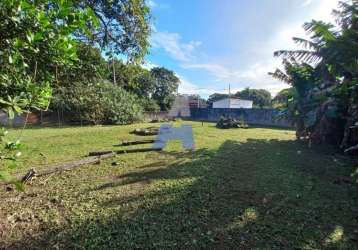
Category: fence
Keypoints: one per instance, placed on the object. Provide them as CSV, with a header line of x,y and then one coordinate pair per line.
x,y
265,117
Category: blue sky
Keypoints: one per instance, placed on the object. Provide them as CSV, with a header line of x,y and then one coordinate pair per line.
x,y
213,43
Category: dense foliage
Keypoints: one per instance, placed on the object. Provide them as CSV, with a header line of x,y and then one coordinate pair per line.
x,y
99,103
35,39
123,26
324,77
39,43
282,98
39,48
9,152
260,97
165,85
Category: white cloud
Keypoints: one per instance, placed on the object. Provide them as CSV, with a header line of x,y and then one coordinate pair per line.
x,y
172,44
254,73
187,87
149,65
190,88
219,71
306,3
254,76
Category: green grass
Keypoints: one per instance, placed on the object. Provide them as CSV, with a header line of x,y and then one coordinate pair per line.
x,y
240,189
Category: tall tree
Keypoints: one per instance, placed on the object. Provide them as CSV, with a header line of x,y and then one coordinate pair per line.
x,y
166,84
124,26
36,41
333,52
39,40
133,78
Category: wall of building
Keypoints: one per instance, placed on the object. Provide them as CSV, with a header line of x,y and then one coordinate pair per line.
x,y
224,103
237,103
265,117
232,103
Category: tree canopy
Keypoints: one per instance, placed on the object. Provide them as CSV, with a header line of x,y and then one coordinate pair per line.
x,y
216,97
260,97
165,87
40,41
123,26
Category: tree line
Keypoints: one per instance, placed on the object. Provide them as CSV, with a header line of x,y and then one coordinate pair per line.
x,y
63,55
101,91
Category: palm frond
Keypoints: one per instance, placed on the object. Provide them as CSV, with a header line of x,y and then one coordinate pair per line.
x,y
347,15
306,43
321,31
307,56
280,75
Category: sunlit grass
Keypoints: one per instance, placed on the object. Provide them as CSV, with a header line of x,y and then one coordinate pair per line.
x,y
239,189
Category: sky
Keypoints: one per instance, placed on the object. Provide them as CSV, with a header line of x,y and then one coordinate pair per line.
x,y
210,44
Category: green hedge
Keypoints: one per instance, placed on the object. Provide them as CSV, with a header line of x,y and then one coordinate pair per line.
x,y
99,103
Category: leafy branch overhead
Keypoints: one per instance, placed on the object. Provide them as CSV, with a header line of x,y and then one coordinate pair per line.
x,y
123,26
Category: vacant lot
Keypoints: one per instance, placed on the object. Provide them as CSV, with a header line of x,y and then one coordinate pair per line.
x,y
246,189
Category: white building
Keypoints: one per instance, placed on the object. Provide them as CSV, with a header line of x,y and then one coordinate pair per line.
x,y
232,103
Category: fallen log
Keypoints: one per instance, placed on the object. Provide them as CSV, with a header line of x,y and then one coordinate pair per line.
x,y
128,143
136,150
145,131
75,164
60,168
94,157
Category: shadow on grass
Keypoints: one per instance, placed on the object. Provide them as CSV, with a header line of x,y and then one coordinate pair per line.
x,y
258,194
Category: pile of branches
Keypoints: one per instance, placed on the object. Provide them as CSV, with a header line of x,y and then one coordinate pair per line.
x,y
226,123
159,120
145,131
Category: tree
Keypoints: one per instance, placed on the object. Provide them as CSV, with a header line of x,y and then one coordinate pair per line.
x,y
260,97
35,40
303,78
39,41
166,85
216,97
124,26
332,53
132,78
100,103
89,67
280,101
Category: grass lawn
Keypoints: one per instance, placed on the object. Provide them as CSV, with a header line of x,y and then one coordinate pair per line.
x,y
240,189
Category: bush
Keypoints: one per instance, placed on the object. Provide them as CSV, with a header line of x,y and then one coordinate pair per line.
x,y
150,105
99,103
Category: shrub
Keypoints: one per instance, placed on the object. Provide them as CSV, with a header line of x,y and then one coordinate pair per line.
x,y
99,103
150,105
